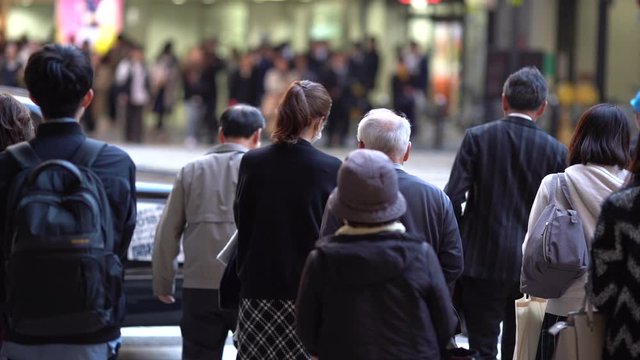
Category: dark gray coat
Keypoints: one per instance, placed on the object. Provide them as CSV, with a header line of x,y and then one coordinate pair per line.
x,y
376,296
429,216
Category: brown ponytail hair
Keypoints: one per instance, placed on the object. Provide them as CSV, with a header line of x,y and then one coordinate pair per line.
x,y
304,101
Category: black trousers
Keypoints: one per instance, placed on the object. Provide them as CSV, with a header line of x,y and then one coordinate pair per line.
x,y
134,125
547,342
210,122
204,325
485,304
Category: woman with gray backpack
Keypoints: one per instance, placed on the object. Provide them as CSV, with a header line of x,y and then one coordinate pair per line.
x,y
598,156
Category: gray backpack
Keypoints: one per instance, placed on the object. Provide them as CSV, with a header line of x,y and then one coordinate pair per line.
x,y
557,252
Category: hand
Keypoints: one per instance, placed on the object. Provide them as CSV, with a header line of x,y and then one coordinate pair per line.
x,y
167,299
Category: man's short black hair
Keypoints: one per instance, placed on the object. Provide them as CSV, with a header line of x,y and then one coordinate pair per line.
x,y
241,121
526,89
58,77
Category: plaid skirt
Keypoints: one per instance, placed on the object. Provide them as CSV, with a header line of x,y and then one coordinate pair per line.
x,y
266,331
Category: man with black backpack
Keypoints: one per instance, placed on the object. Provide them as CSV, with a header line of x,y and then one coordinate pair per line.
x,y
67,214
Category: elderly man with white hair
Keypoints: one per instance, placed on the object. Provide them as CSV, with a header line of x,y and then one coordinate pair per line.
x,y
429,211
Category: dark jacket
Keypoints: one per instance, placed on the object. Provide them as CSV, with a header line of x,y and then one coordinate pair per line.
x,y
281,194
114,167
429,216
377,296
497,172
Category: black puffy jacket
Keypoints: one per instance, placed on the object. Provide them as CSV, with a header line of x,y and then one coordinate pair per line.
x,y
376,296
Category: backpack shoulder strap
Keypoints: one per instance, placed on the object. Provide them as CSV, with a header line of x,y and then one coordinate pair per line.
x,y
565,189
88,152
24,154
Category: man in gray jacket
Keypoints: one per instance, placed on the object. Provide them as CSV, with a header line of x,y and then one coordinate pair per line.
x,y
200,208
429,211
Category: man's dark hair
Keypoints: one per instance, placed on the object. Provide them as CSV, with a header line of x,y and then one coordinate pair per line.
x,y
526,89
601,137
58,77
241,121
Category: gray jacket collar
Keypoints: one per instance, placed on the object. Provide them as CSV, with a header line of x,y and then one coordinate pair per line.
x,y
227,147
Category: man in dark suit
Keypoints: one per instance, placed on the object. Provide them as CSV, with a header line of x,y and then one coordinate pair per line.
x,y
429,210
59,80
497,172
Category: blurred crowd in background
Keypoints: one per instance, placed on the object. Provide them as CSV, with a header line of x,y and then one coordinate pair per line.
x,y
131,85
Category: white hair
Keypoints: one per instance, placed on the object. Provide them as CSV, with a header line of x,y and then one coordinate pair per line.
x,y
383,130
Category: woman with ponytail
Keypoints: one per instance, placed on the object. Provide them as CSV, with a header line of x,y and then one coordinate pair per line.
x,y
281,194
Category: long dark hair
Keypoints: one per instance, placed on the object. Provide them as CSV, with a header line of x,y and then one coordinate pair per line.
x,y
303,102
601,137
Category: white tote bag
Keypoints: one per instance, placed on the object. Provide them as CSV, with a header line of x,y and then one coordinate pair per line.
x,y
529,316
582,336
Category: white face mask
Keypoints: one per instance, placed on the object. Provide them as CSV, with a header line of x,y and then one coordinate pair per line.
x,y
318,135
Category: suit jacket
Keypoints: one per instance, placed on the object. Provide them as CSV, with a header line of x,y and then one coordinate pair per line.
x,y
497,172
60,140
200,207
282,191
429,216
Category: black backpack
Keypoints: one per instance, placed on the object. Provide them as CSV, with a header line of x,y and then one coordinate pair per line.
x,y
62,276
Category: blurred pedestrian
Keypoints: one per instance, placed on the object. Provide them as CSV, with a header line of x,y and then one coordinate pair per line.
x,y
373,291
429,213
199,212
276,82
301,69
243,82
16,124
371,63
282,192
338,82
213,64
118,53
403,92
132,77
497,172
89,118
614,269
598,156
10,66
165,79
193,95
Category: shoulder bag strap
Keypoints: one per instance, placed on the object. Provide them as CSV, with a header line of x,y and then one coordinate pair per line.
x,y
553,189
565,189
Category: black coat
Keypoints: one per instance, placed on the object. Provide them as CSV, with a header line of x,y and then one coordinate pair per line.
x,y
377,296
281,194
